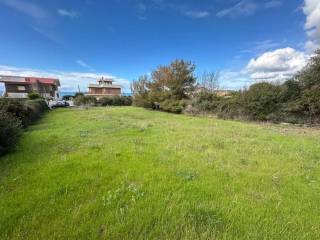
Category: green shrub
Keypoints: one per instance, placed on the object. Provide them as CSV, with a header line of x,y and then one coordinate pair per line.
x,y
141,101
173,106
33,95
14,114
16,107
27,111
81,100
261,100
126,101
106,101
290,91
310,75
206,101
35,109
311,103
231,107
116,101
10,131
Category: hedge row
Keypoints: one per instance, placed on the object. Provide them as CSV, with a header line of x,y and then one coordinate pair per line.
x,y
297,100
263,102
174,88
81,100
16,114
116,101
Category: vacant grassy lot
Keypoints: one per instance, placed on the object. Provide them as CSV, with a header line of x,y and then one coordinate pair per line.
x,y
128,173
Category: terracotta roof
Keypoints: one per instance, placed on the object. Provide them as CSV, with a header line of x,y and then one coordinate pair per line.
x,y
50,81
29,80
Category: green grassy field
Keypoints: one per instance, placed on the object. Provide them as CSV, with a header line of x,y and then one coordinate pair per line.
x,y
129,173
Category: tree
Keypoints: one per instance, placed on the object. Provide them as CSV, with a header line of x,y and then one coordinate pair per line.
x,y
210,81
311,102
175,81
309,83
310,75
169,86
140,92
290,90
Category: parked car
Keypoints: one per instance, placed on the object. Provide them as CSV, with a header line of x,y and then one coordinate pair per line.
x,y
58,104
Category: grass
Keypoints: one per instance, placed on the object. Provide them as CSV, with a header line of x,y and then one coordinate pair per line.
x,y
129,173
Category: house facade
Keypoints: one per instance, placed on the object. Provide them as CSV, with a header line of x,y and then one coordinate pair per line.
x,y
19,87
104,88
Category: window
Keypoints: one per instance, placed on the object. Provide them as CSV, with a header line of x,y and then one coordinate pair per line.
x,y
21,88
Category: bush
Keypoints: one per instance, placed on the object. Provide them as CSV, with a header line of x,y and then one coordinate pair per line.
x,y
116,101
122,101
27,111
206,101
106,101
311,103
232,107
17,108
35,109
173,106
261,100
140,91
10,131
81,100
141,101
33,95
14,114
290,91
310,75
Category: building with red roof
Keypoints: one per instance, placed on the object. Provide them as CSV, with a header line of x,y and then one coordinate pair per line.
x,y
19,87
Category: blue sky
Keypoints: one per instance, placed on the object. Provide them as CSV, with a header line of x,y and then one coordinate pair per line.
x,y
80,40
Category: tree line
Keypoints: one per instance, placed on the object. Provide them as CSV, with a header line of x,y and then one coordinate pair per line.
x,y
175,88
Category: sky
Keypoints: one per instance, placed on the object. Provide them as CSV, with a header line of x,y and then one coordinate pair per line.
x,y
79,41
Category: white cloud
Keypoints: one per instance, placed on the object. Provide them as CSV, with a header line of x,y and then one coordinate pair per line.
x,y
242,8
47,33
312,11
84,64
27,8
282,64
247,8
42,21
197,14
259,47
182,8
277,65
142,7
69,80
273,4
67,13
